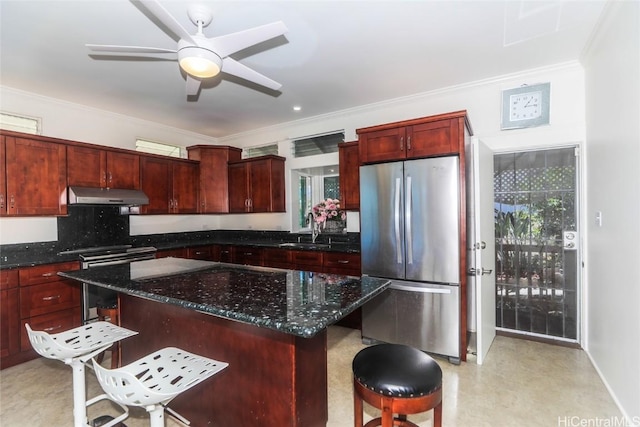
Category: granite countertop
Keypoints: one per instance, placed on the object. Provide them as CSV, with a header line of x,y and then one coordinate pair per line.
x,y
294,302
31,254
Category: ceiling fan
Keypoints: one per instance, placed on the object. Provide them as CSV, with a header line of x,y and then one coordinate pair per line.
x,y
201,57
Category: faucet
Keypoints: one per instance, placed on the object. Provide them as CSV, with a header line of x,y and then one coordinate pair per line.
x,y
314,227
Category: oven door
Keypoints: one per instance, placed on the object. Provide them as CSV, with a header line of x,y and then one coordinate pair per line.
x,y
96,296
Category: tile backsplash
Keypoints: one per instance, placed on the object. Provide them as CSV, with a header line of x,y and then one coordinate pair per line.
x,y
90,226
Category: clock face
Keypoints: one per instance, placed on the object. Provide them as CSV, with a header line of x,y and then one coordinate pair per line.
x,y
525,106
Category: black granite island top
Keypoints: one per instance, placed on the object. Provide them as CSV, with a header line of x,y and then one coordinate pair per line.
x,y
294,302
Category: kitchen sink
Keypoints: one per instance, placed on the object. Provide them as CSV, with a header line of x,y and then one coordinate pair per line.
x,y
305,245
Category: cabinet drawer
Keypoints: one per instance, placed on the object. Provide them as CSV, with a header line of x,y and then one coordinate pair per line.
x,y
307,259
342,263
45,273
201,252
8,279
48,298
52,323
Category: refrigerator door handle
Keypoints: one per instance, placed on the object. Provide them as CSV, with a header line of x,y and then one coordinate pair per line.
x,y
409,203
420,289
396,204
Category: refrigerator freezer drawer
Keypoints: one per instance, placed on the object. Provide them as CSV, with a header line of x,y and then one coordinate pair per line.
x,y
424,316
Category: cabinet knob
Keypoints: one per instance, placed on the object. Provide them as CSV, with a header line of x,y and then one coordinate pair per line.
x,y
1,201
401,143
408,143
51,298
12,202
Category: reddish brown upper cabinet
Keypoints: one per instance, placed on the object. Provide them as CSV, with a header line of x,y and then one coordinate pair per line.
x,y
3,177
349,164
257,185
36,177
94,167
412,139
171,185
214,175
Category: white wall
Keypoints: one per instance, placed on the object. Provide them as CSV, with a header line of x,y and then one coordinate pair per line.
x,y
481,99
612,74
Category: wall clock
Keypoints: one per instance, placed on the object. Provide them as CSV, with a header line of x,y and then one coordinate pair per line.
x,y
526,106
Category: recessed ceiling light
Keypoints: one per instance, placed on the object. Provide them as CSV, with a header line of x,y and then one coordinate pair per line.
x,y
297,108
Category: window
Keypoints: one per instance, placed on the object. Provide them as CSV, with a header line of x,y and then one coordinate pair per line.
x,y
20,123
318,144
158,148
262,150
313,185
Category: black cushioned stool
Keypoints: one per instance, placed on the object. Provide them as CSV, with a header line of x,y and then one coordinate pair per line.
x,y
397,379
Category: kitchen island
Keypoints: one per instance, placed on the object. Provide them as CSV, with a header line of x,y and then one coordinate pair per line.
x,y
268,324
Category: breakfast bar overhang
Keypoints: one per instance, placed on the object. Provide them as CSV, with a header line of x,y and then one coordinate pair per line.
x,y
270,325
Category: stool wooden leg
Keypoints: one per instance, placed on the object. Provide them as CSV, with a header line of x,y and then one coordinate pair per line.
x,y
437,415
357,408
387,412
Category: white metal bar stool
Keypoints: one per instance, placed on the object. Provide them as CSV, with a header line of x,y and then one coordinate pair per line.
x,y
75,347
154,380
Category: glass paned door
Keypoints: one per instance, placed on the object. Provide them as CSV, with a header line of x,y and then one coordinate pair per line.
x,y
537,242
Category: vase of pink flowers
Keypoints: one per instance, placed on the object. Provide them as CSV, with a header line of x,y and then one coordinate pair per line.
x,y
328,216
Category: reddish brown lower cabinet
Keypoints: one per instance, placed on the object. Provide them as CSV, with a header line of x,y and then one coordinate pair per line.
x,y
204,253
306,260
342,263
247,255
176,253
9,313
276,258
39,297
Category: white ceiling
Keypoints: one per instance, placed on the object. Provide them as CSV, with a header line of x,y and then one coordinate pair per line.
x,y
336,55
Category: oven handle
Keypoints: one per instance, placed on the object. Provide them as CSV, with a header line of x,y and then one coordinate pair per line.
x,y
424,290
117,262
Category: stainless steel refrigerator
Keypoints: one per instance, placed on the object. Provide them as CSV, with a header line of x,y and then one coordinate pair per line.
x,y
409,231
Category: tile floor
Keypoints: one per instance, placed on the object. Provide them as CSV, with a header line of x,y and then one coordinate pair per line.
x,y
522,383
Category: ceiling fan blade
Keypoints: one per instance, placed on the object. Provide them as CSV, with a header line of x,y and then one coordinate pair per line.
x,y
193,85
234,42
233,67
167,19
128,49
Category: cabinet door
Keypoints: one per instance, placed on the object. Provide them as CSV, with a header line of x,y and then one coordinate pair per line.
x,y
123,170
247,255
277,258
259,188
36,177
349,163
382,145
156,183
214,187
9,313
184,188
86,167
432,138
3,178
238,187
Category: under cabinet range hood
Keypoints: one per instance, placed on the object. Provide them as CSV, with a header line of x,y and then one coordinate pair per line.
x,y
106,196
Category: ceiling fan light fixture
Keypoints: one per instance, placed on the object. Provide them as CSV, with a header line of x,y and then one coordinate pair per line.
x,y
199,62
